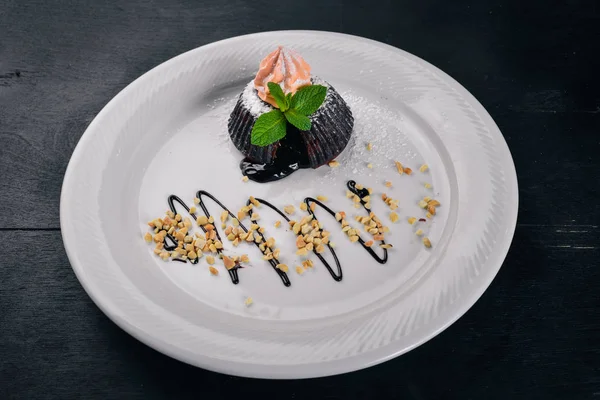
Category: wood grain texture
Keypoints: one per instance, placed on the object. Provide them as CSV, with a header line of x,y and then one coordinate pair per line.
x,y
534,334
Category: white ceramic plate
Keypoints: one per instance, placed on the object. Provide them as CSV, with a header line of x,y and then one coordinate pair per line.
x,y
166,134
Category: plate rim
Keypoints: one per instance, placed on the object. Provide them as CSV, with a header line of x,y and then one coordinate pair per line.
x,y
327,368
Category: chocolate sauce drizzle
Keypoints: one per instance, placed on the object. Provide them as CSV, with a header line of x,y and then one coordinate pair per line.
x,y
336,273
291,155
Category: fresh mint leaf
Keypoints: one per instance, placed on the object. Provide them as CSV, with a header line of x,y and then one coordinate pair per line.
x,y
300,121
308,99
277,93
268,128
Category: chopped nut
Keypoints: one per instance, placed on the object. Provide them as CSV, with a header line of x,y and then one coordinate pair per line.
x,y
224,216
427,185
412,220
289,209
254,217
385,246
178,217
388,184
322,198
296,228
270,242
309,247
424,168
393,217
228,262
419,232
354,238
378,237
313,206
399,167
277,224
148,237
307,263
320,248
427,199
433,203
369,146
213,270
192,255
255,202
302,252
333,164
426,242
370,166
407,171
283,267
303,206
422,204
299,270
245,178
248,302
369,243
202,220
210,260
262,229
349,194
431,209
300,242
338,216
244,258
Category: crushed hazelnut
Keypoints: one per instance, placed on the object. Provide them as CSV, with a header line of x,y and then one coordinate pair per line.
x,y
148,237
322,198
412,220
210,260
283,267
426,242
424,168
399,167
228,262
244,178
394,217
334,164
213,270
289,209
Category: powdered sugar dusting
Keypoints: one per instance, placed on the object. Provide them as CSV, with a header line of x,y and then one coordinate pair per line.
x,y
254,103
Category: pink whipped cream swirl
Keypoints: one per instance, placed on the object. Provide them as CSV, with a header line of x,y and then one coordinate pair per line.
x,y
285,67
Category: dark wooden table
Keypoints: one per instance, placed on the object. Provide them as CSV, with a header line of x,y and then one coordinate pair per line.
x,y
534,65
